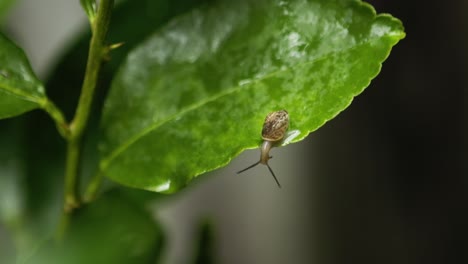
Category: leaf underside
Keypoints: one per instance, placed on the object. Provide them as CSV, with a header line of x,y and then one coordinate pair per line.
x,y
195,94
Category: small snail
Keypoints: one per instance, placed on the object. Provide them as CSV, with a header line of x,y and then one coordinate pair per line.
x,y
274,129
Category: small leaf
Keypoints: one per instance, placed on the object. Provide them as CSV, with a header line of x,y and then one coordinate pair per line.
x,y
89,7
196,93
20,90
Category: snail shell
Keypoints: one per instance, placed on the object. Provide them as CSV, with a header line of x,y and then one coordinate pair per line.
x,y
275,126
274,129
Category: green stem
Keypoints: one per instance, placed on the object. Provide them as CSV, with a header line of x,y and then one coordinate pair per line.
x,y
97,52
58,117
62,226
71,175
93,188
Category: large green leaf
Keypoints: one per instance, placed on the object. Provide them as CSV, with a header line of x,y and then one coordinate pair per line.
x,y
152,15
195,94
20,90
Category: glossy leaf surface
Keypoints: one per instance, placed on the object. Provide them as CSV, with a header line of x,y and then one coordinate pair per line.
x,y
195,94
20,90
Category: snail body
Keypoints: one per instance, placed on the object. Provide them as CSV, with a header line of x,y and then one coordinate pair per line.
x,y
274,129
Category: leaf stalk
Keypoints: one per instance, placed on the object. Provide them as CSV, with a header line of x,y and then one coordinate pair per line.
x,y
56,114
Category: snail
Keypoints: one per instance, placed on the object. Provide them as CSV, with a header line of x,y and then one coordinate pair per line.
x,y
274,129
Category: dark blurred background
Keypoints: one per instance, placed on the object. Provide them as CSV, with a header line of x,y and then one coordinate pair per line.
x,y
384,182
393,167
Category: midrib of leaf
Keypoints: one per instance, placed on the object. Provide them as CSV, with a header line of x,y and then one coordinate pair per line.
x,y
106,161
23,95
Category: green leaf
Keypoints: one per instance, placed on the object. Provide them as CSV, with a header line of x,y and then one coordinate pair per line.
x,y
20,90
195,94
152,15
110,230
4,6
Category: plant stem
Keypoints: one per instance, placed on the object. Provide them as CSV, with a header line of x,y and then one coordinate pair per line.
x,y
97,52
71,175
58,117
93,187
